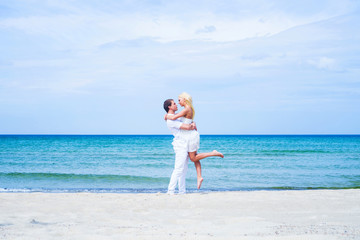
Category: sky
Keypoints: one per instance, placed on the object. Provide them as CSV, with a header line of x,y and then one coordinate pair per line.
x,y
251,66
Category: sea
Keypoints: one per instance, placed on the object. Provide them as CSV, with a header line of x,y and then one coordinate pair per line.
x,y
144,163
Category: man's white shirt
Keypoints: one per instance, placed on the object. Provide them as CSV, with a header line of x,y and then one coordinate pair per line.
x,y
174,126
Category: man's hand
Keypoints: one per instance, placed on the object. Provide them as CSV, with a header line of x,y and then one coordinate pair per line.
x,y
194,125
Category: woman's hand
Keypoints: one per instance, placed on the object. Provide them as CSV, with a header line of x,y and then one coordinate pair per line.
x,y
165,117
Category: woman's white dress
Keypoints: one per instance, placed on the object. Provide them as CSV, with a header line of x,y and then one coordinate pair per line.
x,y
192,136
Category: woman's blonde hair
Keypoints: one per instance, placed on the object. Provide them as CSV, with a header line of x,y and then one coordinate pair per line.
x,y
188,101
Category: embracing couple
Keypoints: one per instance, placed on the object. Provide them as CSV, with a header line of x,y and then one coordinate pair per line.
x,y
186,142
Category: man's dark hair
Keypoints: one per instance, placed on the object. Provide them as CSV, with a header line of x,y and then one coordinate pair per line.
x,y
167,104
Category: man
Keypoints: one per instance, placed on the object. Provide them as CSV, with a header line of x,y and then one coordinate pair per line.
x,y
179,144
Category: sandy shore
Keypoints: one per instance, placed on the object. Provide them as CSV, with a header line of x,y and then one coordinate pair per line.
x,y
320,214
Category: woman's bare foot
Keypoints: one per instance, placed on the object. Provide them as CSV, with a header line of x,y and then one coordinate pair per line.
x,y
199,182
219,154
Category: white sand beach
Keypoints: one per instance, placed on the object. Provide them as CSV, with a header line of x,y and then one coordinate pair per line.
x,y
313,214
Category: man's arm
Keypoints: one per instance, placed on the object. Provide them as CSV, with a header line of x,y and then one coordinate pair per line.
x,y
180,125
185,126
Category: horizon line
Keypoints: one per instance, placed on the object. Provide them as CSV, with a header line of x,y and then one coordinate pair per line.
x,y
153,134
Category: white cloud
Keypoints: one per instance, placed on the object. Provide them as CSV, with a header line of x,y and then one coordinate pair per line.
x,y
206,29
325,63
80,27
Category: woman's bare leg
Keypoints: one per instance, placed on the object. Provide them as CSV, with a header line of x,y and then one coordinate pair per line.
x,y
198,173
194,156
200,179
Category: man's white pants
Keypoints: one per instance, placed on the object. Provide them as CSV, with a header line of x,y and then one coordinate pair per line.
x,y
181,166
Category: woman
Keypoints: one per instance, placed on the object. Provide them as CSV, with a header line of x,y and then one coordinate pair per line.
x,y
193,137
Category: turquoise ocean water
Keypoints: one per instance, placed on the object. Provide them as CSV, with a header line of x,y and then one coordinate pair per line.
x,y
144,163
